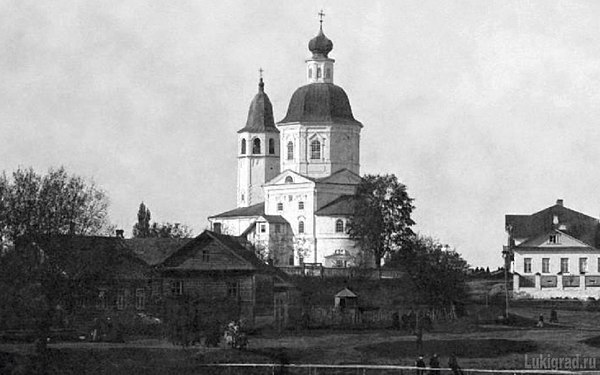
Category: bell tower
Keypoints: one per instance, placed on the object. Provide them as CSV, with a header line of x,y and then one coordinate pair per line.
x,y
258,150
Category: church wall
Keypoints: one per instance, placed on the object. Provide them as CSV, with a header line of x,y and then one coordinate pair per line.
x,y
327,193
328,241
233,226
256,169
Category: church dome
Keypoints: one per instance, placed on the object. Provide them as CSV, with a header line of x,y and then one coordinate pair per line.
x,y
320,45
320,102
260,114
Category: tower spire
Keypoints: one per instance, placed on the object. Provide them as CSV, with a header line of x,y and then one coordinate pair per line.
x,y
261,84
321,15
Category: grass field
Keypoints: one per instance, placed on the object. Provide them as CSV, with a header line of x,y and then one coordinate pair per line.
x,y
476,345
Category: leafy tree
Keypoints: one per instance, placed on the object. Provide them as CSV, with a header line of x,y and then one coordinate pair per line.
x,y
170,230
437,270
141,229
55,203
381,221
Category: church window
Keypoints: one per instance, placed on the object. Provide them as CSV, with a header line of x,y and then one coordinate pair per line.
x,y
243,150
300,205
290,151
280,206
271,146
289,180
301,226
315,150
339,226
256,146
217,227
309,72
319,72
328,73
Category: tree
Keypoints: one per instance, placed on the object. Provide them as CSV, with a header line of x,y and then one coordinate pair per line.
x,y
141,229
170,230
55,203
381,220
437,270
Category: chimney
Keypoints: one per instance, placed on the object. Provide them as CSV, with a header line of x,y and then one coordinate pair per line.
x,y
120,233
559,202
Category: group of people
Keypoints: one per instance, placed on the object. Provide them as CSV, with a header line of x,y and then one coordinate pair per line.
x,y
434,365
234,336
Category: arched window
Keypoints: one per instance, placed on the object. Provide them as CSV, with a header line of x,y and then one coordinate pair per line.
x,y
339,226
256,146
315,150
290,150
328,73
271,146
319,72
289,180
309,72
301,226
243,151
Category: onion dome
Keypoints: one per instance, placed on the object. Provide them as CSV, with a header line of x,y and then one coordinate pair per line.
x,y
320,102
320,45
260,114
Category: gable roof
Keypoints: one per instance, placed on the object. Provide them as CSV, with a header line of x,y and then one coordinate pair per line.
x,y
154,251
254,210
343,176
341,206
565,241
346,293
273,219
298,178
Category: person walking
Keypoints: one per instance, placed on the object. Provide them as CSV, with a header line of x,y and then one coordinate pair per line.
x,y
453,365
434,363
420,364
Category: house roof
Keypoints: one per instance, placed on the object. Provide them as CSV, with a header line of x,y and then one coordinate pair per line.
x,y
260,114
275,219
154,251
254,210
342,206
346,293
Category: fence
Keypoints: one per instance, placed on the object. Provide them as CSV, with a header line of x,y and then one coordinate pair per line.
x,y
317,270
318,369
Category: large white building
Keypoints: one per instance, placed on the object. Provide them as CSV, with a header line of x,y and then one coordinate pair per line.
x,y
555,253
296,179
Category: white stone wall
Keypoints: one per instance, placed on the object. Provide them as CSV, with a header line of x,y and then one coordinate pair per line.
x,y
232,226
255,169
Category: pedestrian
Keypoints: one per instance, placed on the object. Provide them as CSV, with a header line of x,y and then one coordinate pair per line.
x,y
434,362
540,323
420,364
453,365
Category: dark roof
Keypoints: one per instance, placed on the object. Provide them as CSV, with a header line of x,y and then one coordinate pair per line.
x,y
320,102
155,250
254,210
275,219
85,256
320,45
576,224
344,205
260,115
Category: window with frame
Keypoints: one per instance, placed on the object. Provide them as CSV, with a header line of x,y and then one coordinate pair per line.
x,y
256,146
582,265
340,263
301,205
102,299
564,265
217,227
328,73
243,150
598,264
319,72
176,287
279,206
339,226
289,180
290,150
315,150
263,228
527,265
277,228
553,239
233,289
309,72
120,299
205,256
545,265
271,146
291,260
140,299
301,226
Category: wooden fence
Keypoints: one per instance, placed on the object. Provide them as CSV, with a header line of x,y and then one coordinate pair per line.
x,y
317,270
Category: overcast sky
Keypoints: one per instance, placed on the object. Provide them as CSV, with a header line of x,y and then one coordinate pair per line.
x,y
481,108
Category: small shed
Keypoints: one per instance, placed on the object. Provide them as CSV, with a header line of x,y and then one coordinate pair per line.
x,y
346,299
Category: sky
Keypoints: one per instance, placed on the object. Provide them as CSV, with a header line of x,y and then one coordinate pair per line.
x,y
482,108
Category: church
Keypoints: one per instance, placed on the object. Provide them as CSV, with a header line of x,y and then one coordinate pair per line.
x,y
297,178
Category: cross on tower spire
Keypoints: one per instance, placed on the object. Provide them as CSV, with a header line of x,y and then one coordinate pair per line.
x,y
260,72
261,84
321,15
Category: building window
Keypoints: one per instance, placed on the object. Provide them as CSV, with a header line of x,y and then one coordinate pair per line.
x,y
319,72
233,289
553,239
527,265
545,265
289,180
277,228
309,72
217,227
564,265
315,150
205,256
328,73
339,226
120,299
599,265
263,228
582,265
243,150
102,299
300,205
176,287
271,146
301,226
291,260
340,263
290,151
279,206
140,299
256,146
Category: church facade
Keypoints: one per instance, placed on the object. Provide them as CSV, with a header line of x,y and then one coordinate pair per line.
x,y
297,179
